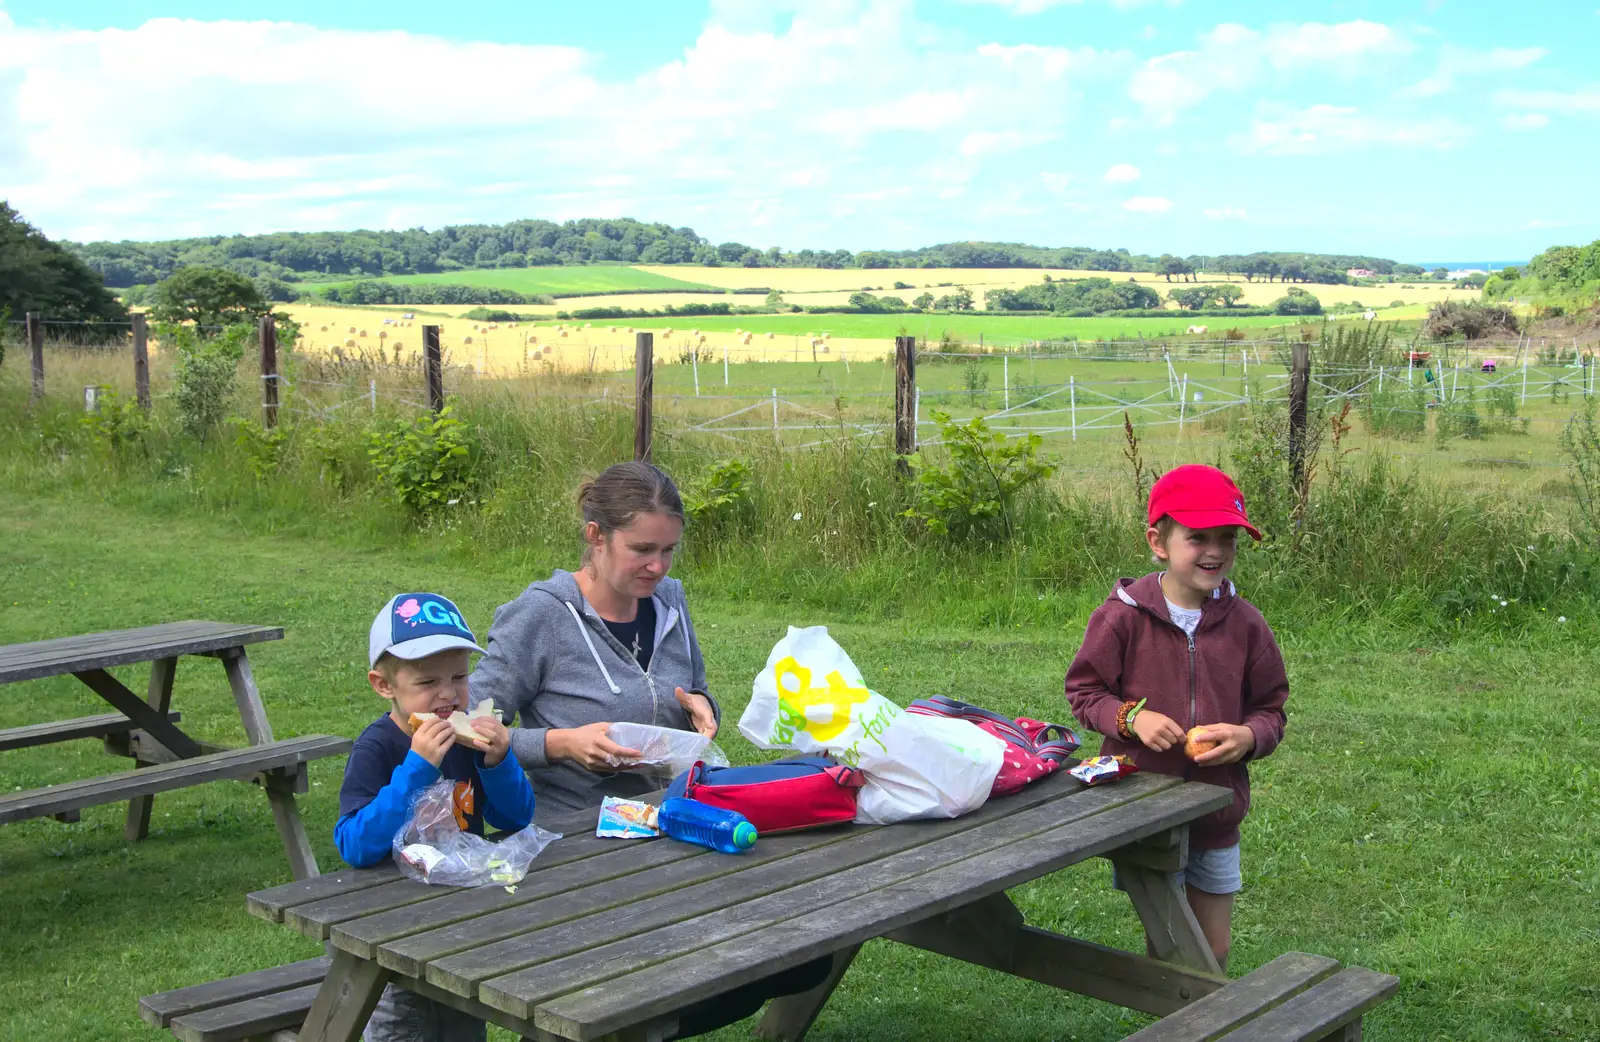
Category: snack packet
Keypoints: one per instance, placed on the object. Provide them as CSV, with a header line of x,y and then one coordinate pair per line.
x,y
1101,769
626,819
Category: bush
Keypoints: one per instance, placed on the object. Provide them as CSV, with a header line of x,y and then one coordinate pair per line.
x,y
118,422
263,448
1297,302
974,495
1580,440
428,462
204,374
1447,318
718,497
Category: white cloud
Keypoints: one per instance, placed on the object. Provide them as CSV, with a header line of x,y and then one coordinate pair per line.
x,y
1226,213
1234,57
1579,101
1121,174
269,125
1148,204
1524,120
1464,62
1337,128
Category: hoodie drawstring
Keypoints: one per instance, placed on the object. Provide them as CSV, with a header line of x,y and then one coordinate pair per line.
x,y
612,684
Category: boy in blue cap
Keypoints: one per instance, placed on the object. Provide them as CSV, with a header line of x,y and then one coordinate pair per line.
x,y
418,652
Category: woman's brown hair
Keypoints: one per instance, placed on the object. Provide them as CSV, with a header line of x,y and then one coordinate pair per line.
x,y
623,491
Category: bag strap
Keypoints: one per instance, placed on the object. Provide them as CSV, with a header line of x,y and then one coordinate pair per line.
x,y
691,779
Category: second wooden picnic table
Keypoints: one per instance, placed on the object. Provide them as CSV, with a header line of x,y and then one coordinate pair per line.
x,y
609,939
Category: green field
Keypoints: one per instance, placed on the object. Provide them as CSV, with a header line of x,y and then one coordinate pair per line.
x,y
585,279
970,326
1423,816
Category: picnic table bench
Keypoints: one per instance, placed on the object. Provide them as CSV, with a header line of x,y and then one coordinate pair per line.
x,y
609,939
146,729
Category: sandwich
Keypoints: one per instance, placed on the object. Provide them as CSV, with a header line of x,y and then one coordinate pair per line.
x,y
461,722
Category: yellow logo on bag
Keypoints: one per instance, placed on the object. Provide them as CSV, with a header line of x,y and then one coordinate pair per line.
x,y
796,695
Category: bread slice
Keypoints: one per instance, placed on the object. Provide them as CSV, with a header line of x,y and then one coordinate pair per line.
x,y
462,723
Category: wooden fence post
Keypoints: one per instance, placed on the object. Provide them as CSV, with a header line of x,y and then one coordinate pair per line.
x,y
141,360
1299,389
34,326
905,399
267,333
644,390
433,367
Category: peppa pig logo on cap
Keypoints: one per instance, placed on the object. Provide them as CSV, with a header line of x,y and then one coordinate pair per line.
x,y
421,614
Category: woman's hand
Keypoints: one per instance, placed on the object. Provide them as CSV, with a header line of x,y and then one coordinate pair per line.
x,y
589,747
698,707
1235,742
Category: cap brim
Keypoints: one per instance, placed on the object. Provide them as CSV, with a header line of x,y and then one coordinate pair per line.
x,y
422,647
1214,519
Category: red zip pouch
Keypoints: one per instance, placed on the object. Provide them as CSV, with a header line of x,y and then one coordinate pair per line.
x,y
783,796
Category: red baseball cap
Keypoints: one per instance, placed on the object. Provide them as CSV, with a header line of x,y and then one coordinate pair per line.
x,y
1197,496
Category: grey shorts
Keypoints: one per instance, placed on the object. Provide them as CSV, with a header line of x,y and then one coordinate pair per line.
x,y
402,1016
1209,871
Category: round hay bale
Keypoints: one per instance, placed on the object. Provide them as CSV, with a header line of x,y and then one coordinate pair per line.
x,y
563,333
383,334
538,355
630,329
352,329
467,339
694,332
667,332
824,348
826,335
349,343
613,329
771,335
362,333
322,329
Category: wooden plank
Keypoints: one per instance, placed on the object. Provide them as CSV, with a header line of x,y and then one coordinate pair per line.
x,y
644,383
270,904
250,1019
1213,1016
584,1012
1330,1006
159,1009
1168,852
1169,923
530,936
362,936
610,911
345,1000
49,658
316,918
103,725
139,711
111,788
789,1017
246,697
141,360
159,697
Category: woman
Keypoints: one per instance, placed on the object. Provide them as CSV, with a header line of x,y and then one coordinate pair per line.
x,y
612,642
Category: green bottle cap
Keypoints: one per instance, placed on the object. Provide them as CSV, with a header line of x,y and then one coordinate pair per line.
x,y
744,835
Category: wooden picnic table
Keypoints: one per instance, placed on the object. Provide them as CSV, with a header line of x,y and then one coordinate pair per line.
x,y
609,939
146,729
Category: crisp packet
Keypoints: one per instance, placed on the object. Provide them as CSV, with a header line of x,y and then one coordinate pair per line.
x,y
626,819
1101,769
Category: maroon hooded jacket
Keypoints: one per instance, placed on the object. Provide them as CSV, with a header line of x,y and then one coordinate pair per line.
x,y
1230,672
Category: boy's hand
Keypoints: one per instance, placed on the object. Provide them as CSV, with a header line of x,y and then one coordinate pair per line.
x,y
698,707
433,739
1236,742
589,746
496,739
1157,731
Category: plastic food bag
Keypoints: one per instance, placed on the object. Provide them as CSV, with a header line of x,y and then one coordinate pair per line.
x,y
666,751
811,697
431,848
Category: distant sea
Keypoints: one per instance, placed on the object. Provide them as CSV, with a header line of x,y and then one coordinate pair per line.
x,y
1492,265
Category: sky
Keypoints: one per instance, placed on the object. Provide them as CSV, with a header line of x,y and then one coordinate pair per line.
x,y
1408,129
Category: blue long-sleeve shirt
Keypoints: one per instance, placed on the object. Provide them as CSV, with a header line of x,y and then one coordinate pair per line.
x,y
383,778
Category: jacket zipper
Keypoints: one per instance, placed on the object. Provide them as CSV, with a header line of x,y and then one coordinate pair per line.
x,y
1193,695
649,680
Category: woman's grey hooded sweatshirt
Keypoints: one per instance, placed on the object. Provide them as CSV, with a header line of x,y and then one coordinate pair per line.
x,y
553,663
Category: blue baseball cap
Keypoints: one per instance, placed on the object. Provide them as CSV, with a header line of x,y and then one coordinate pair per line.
x,y
416,625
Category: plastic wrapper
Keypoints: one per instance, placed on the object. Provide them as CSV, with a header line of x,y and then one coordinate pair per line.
x,y
431,848
1099,770
626,819
664,751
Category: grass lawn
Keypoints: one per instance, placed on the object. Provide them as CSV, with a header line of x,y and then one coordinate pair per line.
x,y
1431,813
596,278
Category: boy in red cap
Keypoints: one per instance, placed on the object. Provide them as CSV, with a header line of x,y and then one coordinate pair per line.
x,y
1179,650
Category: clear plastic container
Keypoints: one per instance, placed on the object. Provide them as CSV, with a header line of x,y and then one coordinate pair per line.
x,y
694,822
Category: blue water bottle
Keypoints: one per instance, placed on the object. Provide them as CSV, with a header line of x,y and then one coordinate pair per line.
x,y
694,822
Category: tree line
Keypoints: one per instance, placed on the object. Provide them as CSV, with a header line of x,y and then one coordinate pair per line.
x,y
279,260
